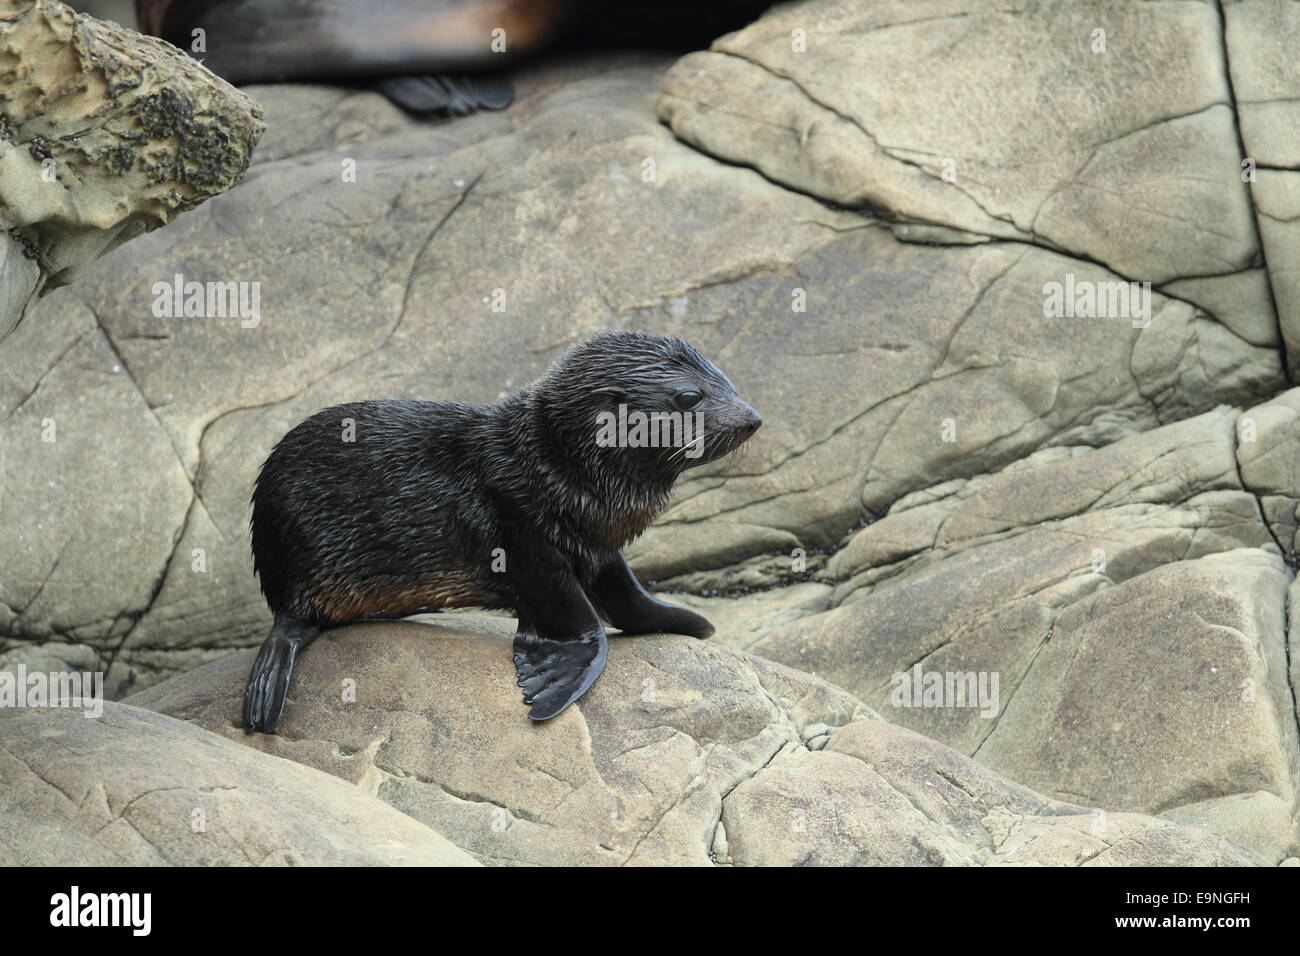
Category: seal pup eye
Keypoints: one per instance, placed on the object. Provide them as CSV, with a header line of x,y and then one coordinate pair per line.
x,y
687,399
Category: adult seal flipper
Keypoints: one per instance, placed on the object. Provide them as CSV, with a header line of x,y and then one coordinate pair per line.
x,y
448,95
259,41
268,682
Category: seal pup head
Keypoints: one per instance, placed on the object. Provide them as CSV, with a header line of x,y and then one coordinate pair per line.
x,y
648,404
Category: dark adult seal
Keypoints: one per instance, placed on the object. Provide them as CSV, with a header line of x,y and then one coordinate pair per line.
x,y
427,55
387,508
440,57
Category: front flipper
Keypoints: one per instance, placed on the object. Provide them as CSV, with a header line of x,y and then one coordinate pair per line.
x,y
560,647
634,610
448,95
554,672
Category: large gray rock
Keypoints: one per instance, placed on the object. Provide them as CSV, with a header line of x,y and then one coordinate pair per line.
x,y
949,479
1108,130
104,135
1164,690
840,117
911,365
1265,77
1258,43
1259,821
1129,600
134,788
684,752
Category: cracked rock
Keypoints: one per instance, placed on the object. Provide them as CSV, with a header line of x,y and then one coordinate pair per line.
x,y
831,117
1130,600
934,117
677,737
913,365
1170,688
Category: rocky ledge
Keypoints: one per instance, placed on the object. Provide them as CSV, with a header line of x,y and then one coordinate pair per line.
x,y
955,477
685,752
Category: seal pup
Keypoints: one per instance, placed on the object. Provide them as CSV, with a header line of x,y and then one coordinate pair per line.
x,y
525,504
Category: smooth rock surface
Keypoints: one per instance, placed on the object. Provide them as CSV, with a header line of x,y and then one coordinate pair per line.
x,y
135,788
1259,821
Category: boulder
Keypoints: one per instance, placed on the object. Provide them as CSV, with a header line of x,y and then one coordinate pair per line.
x,y
133,788
1027,125
1168,689
684,752
1265,82
1259,821
1114,619
825,96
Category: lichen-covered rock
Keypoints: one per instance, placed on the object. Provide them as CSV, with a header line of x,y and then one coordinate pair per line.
x,y
684,752
134,788
104,135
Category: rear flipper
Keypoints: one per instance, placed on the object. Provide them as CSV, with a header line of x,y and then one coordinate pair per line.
x,y
448,95
268,682
554,672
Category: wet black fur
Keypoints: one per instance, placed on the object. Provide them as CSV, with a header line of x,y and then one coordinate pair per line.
x,y
429,490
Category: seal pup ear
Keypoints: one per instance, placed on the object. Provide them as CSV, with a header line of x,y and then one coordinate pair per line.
x,y
448,95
